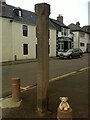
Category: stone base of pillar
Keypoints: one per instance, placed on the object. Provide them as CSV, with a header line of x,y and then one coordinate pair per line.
x,y
64,115
43,114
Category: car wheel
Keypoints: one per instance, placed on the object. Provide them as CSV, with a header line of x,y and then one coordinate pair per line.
x,y
80,55
59,57
70,57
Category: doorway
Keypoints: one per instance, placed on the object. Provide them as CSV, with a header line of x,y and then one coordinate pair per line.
x,y
65,45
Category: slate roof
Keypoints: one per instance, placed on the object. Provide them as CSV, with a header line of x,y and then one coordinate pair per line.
x,y
57,24
27,18
75,27
86,28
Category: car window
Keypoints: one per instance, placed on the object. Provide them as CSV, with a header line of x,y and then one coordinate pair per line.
x,y
76,50
70,50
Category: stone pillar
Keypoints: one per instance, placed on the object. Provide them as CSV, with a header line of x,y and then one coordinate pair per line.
x,y
42,33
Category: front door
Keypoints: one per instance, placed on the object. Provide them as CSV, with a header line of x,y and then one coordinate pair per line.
x,y
65,45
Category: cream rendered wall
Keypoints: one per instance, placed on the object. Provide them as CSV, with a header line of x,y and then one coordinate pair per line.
x,y
85,41
13,40
31,40
52,43
83,48
6,40
78,40
19,40
0,39
76,37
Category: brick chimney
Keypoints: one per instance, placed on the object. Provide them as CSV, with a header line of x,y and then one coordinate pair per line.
x,y
60,18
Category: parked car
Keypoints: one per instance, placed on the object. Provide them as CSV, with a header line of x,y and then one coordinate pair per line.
x,y
59,52
71,53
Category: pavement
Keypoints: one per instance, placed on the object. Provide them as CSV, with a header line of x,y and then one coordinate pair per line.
x,y
74,86
22,61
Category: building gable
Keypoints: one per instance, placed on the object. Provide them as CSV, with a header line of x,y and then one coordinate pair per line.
x,y
20,15
77,28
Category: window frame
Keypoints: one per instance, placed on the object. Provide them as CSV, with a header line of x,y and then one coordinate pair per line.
x,y
20,13
82,34
25,50
64,31
82,44
25,30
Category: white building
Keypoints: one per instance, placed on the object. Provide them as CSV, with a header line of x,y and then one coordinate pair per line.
x,y
64,36
18,34
81,36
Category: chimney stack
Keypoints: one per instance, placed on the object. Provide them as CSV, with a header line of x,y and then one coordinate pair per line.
x,y
3,2
78,23
60,18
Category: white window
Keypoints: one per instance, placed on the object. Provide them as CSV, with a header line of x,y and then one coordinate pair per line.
x,y
25,30
82,34
64,31
20,13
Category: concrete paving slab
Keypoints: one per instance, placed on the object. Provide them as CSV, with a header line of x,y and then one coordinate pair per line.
x,y
8,103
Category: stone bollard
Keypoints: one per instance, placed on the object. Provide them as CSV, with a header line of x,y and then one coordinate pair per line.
x,y
16,89
64,111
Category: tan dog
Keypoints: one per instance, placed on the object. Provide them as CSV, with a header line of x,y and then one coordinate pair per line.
x,y
64,104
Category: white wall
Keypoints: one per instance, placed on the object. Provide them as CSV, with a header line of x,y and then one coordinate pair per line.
x,y
31,40
13,40
52,42
6,40
84,40
19,40
78,40
0,39
76,37
83,48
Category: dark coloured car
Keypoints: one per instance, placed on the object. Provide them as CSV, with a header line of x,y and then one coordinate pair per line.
x,y
71,53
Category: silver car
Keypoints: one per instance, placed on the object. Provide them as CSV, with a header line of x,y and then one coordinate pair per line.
x,y
71,53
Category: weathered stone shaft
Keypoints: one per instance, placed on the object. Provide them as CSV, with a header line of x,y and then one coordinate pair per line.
x,y
42,30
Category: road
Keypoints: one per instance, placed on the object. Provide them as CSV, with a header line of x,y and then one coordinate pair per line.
x,y
28,71
75,87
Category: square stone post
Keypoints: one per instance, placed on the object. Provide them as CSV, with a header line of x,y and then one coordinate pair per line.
x,y
42,32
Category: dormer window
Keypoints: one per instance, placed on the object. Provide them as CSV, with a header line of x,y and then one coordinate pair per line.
x,y
18,12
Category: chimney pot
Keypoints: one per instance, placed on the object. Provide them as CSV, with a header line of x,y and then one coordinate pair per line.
x,y
60,18
78,23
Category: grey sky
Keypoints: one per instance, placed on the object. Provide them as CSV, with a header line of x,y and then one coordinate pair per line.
x,y
72,10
